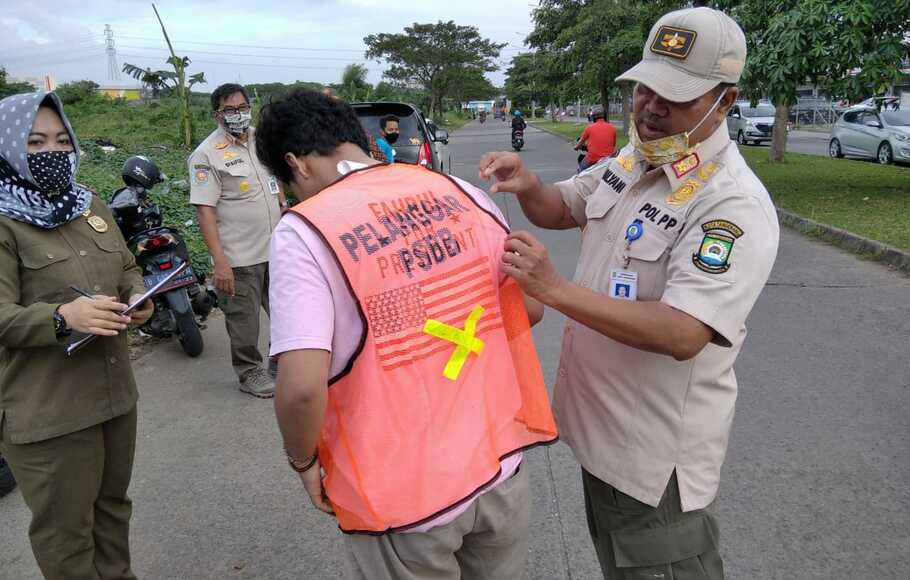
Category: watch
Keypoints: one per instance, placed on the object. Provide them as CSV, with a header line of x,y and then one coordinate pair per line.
x,y
60,327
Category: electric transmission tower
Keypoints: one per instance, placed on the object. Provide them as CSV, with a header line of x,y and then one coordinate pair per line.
x,y
113,71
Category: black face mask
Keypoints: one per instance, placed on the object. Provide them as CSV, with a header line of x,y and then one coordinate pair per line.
x,y
391,137
52,170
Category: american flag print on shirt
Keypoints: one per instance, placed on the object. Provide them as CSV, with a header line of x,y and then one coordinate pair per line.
x,y
396,317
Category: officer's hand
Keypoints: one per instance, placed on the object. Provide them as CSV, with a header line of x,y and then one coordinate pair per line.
x,y
224,278
142,314
528,262
510,172
98,315
312,482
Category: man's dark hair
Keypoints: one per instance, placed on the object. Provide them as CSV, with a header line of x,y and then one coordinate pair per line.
x,y
225,91
304,122
385,121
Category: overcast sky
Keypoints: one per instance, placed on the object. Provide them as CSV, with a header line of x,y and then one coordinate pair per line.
x,y
248,41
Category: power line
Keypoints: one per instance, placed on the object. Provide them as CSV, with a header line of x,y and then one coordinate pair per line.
x,y
233,45
52,53
194,51
235,63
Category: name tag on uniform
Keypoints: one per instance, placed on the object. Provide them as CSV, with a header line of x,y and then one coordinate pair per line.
x,y
273,185
624,284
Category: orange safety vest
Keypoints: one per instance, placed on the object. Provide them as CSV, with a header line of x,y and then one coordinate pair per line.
x,y
446,380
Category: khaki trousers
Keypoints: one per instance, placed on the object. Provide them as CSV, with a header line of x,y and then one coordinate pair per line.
x,y
241,315
75,486
489,541
635,541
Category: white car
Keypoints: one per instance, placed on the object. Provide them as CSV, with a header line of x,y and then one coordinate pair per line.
x,y
866,132
748,124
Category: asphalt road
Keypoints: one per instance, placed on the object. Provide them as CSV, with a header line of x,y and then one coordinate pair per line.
x,y
815,484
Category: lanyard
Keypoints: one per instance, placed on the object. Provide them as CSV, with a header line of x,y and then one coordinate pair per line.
x,y
633,232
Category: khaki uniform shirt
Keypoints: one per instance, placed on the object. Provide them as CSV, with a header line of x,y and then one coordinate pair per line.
x,y
710,240
43,392
227,175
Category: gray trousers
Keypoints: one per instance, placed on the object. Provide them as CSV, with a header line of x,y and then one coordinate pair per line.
x,y
635,541
241,315
489,541
75,486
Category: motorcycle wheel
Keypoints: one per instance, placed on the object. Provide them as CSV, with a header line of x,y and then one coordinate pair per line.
x,y
190,334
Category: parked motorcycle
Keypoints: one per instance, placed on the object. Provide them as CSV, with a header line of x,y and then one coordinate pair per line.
x,y
518,139
159,249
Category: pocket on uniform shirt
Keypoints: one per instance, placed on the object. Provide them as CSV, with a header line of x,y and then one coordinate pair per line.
x,y
47,271
648,257
601,202
234,179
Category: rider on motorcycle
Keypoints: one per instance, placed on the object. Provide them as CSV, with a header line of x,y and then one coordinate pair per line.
x,y
518,122
598,140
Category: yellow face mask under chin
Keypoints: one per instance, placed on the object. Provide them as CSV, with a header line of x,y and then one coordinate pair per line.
x,y
671,148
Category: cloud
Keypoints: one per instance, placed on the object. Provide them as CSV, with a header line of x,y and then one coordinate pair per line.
x,y
231,40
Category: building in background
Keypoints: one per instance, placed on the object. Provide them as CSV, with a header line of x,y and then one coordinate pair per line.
x,y
120,91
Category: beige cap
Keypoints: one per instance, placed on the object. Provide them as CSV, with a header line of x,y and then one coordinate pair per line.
x,y
688,53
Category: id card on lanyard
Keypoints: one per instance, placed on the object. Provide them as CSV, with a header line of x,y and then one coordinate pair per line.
x,y
273,185
624,282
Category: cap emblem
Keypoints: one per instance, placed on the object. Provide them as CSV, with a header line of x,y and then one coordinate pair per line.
x,y
675,42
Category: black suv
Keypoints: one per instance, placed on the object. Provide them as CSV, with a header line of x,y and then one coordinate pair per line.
x,y
421,142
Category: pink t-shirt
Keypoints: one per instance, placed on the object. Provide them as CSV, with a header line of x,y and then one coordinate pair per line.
x,y
312,308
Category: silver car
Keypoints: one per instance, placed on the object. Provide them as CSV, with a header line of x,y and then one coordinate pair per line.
x,y
866,132
748,124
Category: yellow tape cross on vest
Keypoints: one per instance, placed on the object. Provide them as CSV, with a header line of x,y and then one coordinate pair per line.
x,y
464,339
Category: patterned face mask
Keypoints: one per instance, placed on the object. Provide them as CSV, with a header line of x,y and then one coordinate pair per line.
x,y
237,123
52,170
667,149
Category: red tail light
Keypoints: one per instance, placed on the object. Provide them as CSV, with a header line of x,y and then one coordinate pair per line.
x,y
425,155
156,241
165,266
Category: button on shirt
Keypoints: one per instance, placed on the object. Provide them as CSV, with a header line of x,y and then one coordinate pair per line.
x,y
710,240
227,175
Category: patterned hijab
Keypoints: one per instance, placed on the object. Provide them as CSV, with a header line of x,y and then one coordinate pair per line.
x,y
20,197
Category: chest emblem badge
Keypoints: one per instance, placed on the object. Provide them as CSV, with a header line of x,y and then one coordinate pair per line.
x,y
98,224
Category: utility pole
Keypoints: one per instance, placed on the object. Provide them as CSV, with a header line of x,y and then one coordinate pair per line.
x,y
113,71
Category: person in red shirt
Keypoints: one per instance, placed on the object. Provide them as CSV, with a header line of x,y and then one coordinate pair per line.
x,y
600,139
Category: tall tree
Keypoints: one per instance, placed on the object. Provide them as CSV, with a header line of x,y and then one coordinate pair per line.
x,y
354,86
180,82
591,42
425,54
849,48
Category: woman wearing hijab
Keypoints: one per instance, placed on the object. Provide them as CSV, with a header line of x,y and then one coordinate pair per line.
x,y
67,424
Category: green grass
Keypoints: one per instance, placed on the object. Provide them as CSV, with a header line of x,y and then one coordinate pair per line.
x,y
143,129
572,130
861,197
454,120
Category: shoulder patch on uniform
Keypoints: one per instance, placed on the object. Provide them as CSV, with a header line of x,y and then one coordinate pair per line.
x,y
201,166
713,256
707,170
684,192
675,42
201,175
626,163
686,164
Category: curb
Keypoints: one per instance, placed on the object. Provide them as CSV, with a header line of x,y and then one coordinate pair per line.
x,y
554,133
871,249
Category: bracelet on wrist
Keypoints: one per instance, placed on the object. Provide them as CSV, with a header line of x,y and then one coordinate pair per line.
x,y
300,466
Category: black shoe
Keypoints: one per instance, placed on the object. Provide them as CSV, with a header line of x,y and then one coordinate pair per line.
x,y
7,481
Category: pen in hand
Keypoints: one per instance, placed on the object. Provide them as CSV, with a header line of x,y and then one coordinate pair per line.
x,y
83,292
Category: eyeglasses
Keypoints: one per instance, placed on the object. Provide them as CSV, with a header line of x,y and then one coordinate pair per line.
x,y
235,110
